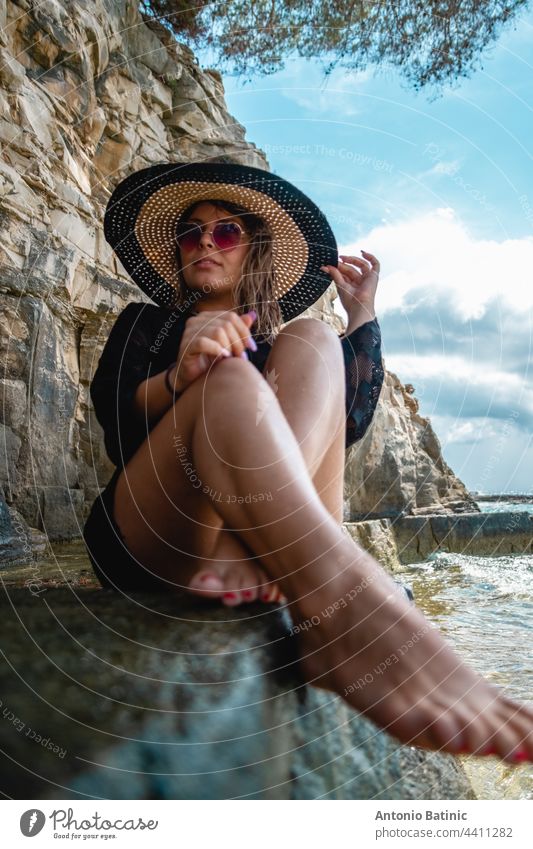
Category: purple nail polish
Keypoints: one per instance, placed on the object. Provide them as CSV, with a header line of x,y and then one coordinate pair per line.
x,y
244,355
252,344
253,314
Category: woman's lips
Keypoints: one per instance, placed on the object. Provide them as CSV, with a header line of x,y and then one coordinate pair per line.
x,y
206,263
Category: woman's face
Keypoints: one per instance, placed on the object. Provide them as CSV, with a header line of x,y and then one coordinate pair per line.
x,y
222,268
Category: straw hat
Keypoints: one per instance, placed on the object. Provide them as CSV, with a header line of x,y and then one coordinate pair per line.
x,y
141,216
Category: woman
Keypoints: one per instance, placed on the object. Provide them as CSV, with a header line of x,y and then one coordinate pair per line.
x,y
230,468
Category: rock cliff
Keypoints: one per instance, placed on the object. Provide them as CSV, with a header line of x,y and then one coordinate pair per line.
x,y
88,93
397,468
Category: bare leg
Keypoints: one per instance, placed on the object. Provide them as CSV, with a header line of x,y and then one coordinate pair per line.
x,y
426,696
305,371
361,624
160,501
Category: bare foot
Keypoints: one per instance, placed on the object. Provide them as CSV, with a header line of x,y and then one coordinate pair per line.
x,y
233,575
364,640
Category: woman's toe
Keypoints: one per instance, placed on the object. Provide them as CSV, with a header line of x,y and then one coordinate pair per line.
x,y
233,585
231,598
249,594
207,584
269,593
254,584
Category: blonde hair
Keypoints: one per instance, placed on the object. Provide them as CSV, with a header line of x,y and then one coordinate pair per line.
x,y
256,287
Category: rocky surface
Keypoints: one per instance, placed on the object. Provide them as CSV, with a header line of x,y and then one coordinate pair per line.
x,y
412,539
377,537
88,93
489,534
398,468
179,700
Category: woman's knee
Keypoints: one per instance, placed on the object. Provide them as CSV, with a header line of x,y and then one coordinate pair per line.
x,y
317,345
230,389
318,332
232,375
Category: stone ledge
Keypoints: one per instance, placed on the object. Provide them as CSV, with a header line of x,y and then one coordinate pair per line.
x,y
489,534
155,697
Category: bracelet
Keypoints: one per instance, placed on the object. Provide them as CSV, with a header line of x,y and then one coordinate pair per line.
x,y
170,388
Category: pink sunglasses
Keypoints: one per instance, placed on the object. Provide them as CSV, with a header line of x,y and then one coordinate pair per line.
x,y
225,235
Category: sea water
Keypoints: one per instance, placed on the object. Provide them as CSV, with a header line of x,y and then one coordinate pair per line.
x,y
484,608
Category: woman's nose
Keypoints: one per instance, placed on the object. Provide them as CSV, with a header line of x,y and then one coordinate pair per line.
x,y
206,239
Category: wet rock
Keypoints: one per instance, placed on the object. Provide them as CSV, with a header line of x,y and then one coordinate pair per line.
x,y
491,534
162,697
377,537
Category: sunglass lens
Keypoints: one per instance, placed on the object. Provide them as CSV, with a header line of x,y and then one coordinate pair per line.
x,y
226,235
188,236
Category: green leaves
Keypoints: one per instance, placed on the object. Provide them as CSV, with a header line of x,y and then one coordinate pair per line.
x,y
432,41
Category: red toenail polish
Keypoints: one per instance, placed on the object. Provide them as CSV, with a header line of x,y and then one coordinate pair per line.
x,y
247,594
229,595
520,756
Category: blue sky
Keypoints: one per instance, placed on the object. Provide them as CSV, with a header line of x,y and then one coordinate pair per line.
x,y
441,190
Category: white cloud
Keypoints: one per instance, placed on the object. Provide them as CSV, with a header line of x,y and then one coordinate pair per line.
x,y
454,369
445,377
435,254
474,430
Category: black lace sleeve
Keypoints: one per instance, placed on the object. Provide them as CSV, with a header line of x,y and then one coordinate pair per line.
x,y
121,368
364,378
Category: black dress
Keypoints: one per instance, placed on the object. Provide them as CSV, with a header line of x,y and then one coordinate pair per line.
x,y
143,342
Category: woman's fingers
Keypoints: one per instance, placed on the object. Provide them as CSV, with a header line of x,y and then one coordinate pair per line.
x,y
341,279
225,333
374,261
361,265
242,325
207,345
354,274
368,259
230,330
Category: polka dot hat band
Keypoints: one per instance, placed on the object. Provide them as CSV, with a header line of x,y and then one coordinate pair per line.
x,y
142,213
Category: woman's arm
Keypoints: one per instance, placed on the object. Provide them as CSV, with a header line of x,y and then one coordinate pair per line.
x,y
364,377
206,337
122,367
356,280
152,398
358,316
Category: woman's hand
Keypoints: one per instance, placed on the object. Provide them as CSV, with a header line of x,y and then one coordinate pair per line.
x,y
356,286
210,336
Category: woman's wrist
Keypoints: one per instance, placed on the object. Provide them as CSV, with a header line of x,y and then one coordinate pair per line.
x,y
359,316
170,381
